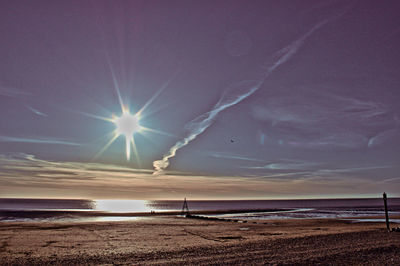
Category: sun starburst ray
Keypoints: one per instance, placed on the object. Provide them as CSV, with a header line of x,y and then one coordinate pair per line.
x,y
128,148
86,114
158,108
95,116
100,24
163,87
115,80
158,132
106,146
135,151
102,138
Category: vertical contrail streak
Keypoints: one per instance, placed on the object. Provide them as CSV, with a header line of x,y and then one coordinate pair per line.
x,y
234,94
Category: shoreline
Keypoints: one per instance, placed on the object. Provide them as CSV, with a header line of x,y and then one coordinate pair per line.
x,y
89,213
26,213
59,216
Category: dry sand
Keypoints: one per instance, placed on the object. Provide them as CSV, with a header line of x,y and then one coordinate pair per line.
x,y
174,240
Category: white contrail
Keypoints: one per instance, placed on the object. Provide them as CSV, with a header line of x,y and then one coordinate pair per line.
x,y
234,94
198,125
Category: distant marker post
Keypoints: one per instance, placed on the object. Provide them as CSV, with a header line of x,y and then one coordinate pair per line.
x,y
386,211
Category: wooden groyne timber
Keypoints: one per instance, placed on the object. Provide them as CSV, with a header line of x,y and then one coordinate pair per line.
x,y
191,216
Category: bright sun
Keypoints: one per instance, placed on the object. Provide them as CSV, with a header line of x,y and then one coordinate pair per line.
x,y
127,125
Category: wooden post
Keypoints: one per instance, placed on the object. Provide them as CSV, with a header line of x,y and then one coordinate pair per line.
x,y
386,211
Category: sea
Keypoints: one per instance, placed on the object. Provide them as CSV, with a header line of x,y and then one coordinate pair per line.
x,y
60,210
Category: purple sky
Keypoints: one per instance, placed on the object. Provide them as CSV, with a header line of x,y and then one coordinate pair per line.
x,y
245,99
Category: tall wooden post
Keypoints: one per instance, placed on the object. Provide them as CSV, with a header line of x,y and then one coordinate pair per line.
x,y
386,211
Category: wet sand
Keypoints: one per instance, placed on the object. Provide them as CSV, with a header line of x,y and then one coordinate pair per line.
x,y
176,240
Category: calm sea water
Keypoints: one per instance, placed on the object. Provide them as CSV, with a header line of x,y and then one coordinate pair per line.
x,y
61,209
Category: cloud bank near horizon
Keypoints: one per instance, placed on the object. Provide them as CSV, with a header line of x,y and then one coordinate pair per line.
x,y
24,175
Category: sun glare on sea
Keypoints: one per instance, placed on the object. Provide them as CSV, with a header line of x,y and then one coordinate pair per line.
x,y
121,206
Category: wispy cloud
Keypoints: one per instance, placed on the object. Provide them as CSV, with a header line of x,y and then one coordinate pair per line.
x,y
299,172
382,137
325,106
234,94
12,92
334,140
35,111
224,155
354,169
38,141
331,121
390,180
286,166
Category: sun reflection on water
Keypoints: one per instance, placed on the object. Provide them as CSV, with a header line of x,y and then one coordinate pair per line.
x,y
122,206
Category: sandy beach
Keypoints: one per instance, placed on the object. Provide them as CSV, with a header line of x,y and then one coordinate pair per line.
x,y
178,240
